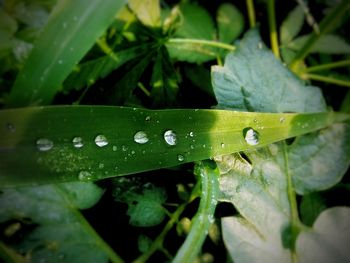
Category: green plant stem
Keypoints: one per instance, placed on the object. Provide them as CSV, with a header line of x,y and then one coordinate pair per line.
x,y
325,26
327,66
251,13
158,242
331,80
294,217
101,42
272,26
204,217
202,42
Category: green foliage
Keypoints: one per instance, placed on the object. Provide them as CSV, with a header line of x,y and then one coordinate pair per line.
x,y
274,140
42,76
329,238
57,230
144,202
230,22
245,82
310,208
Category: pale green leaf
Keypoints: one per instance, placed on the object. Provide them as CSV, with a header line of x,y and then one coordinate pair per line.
x,y
59,223
147,11
245,244
252,79
327,44
258,192
319,160
329,239
291,25
230,22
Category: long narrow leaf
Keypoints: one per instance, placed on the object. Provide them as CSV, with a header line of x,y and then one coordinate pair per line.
x,y
71,143
70,32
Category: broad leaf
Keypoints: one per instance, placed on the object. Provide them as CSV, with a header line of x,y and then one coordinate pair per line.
x,y
230,22
291,26
258,191
260,187
196,23
42,76
319,160
253,80
327,44
59,231
329,239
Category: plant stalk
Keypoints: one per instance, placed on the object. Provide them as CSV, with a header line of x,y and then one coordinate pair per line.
x,y
325,26
251,13
338,64
339,82
202,42
272,26
204,217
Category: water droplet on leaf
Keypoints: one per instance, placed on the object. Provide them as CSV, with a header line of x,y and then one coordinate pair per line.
x,y
77,142
180,158
141,137
10,127
85,176
101,140
251,136
170,137
191,134
44,144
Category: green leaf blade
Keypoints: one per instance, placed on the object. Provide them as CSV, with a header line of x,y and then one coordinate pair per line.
x,y
42,76
71,153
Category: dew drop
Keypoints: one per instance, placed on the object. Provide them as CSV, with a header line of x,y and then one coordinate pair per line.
x,y
124,148
101,140
180,158
10,127
44,144
148,118
282,119
192,146
85,176
101,165
170,137
141,137
222,145
77,142
191,134
251,136
114,148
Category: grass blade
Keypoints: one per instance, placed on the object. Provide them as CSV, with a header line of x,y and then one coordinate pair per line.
x,y
65,41
62,143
